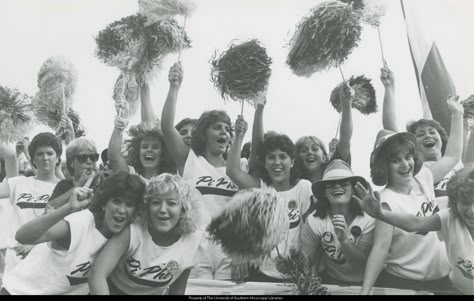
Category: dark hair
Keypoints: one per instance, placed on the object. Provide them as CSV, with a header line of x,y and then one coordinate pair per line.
x,y
45,140
379,168
198,139
460,187
412,127
245,152
184,122
323,207
119,184
137,133
271,143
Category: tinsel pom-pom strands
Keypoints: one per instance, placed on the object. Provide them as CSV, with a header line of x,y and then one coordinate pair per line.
x,y
242,72
48,107
252,225
469,107
156,9
131,92
325,38
364,95
79,130
299,270
16,115
372,10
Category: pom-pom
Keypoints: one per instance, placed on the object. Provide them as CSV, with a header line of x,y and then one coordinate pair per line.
x,y
79,130
242,72
48,107
469,108
156,9
16,115
364,95
325,38
131,92
251,226
373,11
299,270
58,73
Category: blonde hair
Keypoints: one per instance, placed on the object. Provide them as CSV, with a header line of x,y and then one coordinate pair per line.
x,y
186,196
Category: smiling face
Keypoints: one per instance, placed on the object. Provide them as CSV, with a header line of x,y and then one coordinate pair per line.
x,y
185,132
217,138
150,152
278,164
401,167
428,143
311,155
119,212
45,160
338,192
165,211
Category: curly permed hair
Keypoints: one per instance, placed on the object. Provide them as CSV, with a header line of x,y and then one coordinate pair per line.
x,y
132,148
460,188
198,140
186,196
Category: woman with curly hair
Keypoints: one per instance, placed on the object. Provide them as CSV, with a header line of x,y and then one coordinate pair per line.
x,y
145,152
75,233
158,251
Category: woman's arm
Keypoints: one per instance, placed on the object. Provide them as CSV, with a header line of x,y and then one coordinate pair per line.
x,y
389,116
106,261
375,263
469,148
51,226
311,245
117,161
147,114
179,285
7,151
177,149
354,255
257,136
346,94
454,147
237,175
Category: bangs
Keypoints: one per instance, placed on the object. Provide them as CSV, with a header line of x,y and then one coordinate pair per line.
x,y
398,146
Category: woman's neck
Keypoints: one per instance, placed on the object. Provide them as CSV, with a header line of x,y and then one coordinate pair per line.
x,y
314,175
46,177
164,239
282,185
214,160
402,188
149,173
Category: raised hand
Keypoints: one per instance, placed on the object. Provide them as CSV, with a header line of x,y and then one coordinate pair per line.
x,y
86,174
346,94
368,200
122,107
454,105
241,126
175,76
80,198
340,227
120,123
386,76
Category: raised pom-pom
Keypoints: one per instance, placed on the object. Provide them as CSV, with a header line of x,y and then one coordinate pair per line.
x,y
156,9
469,108
364,95
242,72
16,115
79,130
252,225
131,92
325,38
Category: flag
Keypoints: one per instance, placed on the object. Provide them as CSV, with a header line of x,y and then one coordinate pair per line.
x,y
434,81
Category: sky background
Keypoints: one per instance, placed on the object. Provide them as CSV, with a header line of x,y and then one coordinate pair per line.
x,y
33,30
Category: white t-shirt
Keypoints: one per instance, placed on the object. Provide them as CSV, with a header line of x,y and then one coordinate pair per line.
x,y
417,256
319,235
460,249
5,221
298,200
28,197
212,182
132,171
440,187
47,271
149,269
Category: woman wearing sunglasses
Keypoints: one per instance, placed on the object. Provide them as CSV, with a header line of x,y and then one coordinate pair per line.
x,y
81,158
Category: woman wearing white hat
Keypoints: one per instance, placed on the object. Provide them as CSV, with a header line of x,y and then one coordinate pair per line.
x,y
338,237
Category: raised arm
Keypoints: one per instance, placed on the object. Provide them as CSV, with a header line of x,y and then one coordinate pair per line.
x,y
117,161
237,175
7,152
106,262
346,95
370,203
468,143
147,114
453,152
51,226
177,149
257,133
389,116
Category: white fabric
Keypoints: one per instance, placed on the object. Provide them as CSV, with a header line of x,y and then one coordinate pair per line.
x,y
415,256
440,187
132,171
5,221
298,200
47,271
28,197
212,182
149,269
333,258
460,249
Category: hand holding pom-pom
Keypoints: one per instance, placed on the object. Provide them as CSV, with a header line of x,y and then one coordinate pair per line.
x,y
175,75
454,105
386,76
346,94
241,126
120,123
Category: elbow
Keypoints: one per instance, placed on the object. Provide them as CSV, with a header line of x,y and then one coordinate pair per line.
x,y
22,239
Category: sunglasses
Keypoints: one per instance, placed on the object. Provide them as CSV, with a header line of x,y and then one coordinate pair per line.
x,y
83,157
343,183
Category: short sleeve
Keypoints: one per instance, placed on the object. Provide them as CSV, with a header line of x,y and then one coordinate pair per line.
x,y
78,224
444,216
310,241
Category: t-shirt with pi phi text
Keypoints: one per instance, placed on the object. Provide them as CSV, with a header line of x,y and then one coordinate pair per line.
x,y
460,248
420,255
48,271
212,182
149,269
298,200
318,239
28,197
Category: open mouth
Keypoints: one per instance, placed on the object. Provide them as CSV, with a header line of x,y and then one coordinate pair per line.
x,y
119,219
429,144
338,193
149,157
310,160
222,140
405,172
187,141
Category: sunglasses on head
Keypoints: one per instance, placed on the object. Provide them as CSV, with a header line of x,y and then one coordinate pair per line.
x,y
83,157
